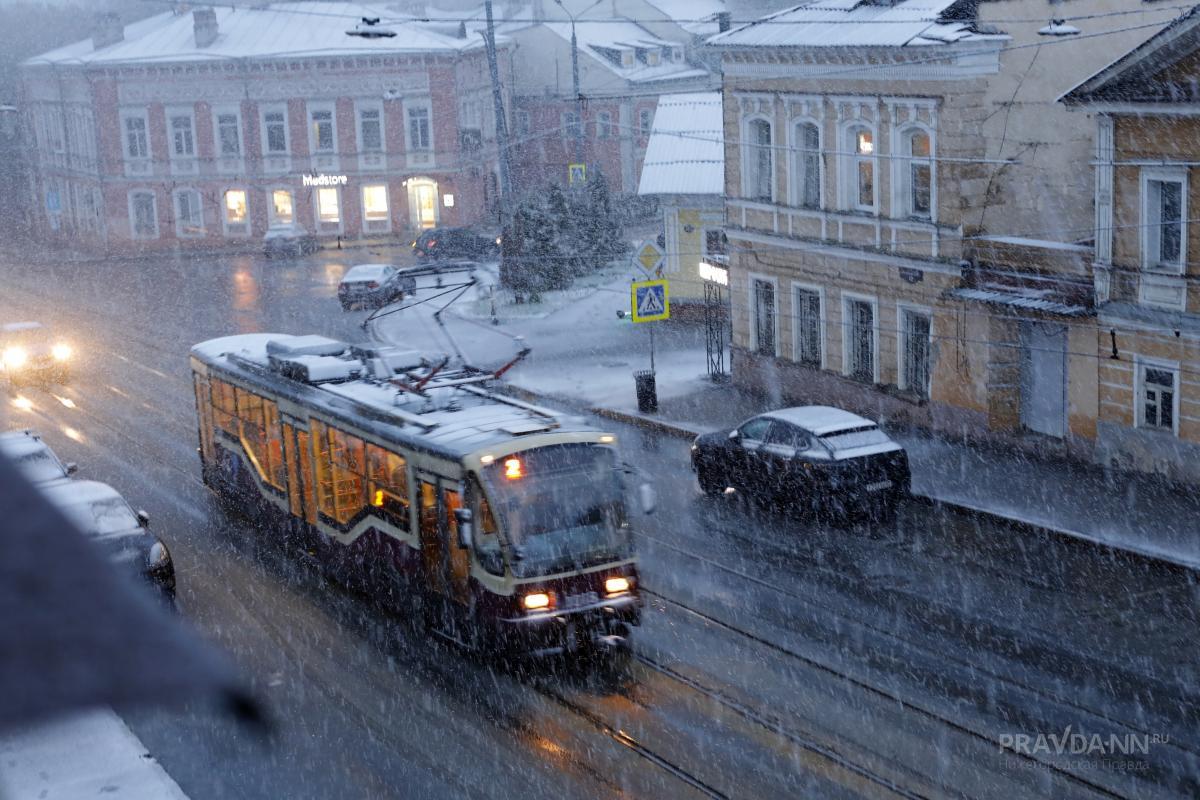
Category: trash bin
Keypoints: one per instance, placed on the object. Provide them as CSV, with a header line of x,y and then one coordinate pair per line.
x,y
647,393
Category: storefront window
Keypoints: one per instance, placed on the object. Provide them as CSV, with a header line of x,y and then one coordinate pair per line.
x,y
281,206
375,202
329,210
236,218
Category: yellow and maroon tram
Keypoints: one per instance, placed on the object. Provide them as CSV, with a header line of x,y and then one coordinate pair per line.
x,y
502,526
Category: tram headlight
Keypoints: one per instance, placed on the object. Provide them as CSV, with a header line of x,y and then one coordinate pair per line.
x,y
617,585
61,352
15,357
537,601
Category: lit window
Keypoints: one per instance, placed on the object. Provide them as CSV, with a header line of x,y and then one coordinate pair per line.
x,y
375,202
329,210
861,174
236,218
281,206
322,131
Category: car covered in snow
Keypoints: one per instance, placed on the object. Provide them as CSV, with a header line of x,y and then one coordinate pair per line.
x,y
30,353
289,239
34,457
122,534
814,458
374,285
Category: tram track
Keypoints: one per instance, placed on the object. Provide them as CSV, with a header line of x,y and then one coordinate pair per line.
x,y
842,582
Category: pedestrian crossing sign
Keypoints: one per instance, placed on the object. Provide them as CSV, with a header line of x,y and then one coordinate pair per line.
x,y
651,301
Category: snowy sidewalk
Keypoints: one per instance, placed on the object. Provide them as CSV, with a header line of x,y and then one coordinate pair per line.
x,y
87,755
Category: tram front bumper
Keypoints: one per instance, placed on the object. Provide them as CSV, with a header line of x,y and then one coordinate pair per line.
x,y
603,625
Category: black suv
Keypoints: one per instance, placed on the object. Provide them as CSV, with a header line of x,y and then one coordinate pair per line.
x,y
444,244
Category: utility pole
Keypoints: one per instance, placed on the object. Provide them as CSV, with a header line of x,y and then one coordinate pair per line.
x,y
507,191
575,79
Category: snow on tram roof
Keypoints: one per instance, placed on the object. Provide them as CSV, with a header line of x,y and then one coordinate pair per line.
x,y
455,415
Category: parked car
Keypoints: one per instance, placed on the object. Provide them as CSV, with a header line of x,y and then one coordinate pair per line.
x,y
374,285
441,244
289,239
812,457
31,354
123,534
34,457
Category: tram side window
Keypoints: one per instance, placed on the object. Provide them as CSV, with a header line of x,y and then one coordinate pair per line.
x,y
388,486
487,533
349,473
324,468
224,406
261,436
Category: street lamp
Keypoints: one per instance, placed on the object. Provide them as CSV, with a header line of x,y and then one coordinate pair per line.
x,y
575,77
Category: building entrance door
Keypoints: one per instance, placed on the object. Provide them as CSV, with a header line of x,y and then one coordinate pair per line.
x,y
422,202
1044,378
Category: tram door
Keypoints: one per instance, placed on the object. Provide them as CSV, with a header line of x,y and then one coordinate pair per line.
x,y
446,564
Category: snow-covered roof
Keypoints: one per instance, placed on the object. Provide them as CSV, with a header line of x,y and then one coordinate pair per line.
x,y
820,420
601,37
854,23
698,17
686,151
278,30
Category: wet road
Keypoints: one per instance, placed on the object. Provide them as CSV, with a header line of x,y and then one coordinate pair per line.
x,y
778,658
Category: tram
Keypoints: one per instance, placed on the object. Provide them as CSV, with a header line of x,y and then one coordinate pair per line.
x,y
501,524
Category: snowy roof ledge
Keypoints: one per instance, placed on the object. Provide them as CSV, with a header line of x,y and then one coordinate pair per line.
x,y
686,151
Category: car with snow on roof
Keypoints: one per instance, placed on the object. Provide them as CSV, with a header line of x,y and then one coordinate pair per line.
x,y
815,458
34,457
103,516
30,353
374,285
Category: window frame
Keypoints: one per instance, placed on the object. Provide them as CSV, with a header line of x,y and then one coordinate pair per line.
x,y
386,225
218,142
902,177
1151,236
568,128
409,109
523,121
310,110
851,161
754,279
272,215
181,112
645,122
265,131
375,106
604,125
142,115
1141,365
903,310
133,233
749,155
316,200
179,230
235,229
852,297
819,291
797,152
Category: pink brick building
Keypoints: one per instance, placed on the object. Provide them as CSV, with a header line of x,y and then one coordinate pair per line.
x,y
199,130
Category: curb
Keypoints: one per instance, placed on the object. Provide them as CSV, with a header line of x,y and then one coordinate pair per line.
x,y
1025,526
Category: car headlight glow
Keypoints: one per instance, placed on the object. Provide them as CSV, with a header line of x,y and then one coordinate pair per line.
x,y
536,601
61,352
15,357
617,585
159,556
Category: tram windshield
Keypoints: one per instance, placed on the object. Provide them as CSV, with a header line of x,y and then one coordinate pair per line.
x,y
561,507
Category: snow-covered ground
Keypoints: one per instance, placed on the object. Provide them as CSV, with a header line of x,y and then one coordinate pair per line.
x,y
93,754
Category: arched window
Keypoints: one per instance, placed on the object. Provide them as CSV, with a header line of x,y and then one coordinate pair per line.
x,y
806,177
917,177
759,161
860,177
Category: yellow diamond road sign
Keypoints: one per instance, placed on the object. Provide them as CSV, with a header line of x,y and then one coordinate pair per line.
x,y
650,257
651,301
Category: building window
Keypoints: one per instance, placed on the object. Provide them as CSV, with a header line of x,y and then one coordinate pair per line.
x,y
571,126
715,242
806,308
275,133
236,218
183,139
375,207
329,208
418,128
860,175
916,180
604,125
859,339
807,177
1164,198
763,299
323,138
645,122
759,161
1157,390
281,207
370,130
189,218
523,124
229,136
137,143
915,330
143,215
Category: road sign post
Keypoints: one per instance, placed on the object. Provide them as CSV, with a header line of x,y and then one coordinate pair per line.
x,y
651,302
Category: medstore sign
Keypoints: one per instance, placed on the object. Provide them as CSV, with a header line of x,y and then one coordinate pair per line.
x,y
324,180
